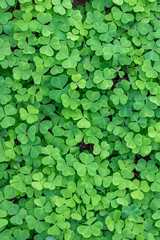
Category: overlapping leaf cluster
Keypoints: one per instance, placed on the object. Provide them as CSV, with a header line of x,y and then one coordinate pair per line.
x,y
79,120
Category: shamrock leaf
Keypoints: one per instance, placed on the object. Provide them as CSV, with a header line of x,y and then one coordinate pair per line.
x,y
9,192
139,188
118,97
70,61
60,6
5,96
30,115
77,82
52,155
21,235
104,79
38,181
83,123
4,49
6,120
153,132
32,147
86,165
71,100
93,229
101,150
59,84
22,71
3,221
100,5
58,222
24,135
66,166
120,15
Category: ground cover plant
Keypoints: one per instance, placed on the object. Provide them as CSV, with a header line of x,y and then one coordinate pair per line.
x,y
79,119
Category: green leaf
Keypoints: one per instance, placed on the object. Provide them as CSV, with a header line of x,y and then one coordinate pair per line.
x,y
85,231
21,235
9,192
83,123
110,223
137,195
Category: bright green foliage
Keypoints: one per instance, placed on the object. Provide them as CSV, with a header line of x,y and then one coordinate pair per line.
x,y
79,120
30,115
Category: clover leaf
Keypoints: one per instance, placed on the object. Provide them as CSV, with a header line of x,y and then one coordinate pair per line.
x,y
61,6
139,188
32,147
6,120
58,222
153,132
93,229
24,135
4,49
118,97
66,166
71,100
3,221
22,71
59,84
38,181
79,119
52,155
19,234
69,61
86,165
101,150
30,115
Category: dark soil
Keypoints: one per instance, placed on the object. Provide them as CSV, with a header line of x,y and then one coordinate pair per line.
x,y
137,157
83,146
79,2
112,156
17,142
136,173
36,34
14,48
119,79
47,118
49,130
110,117
17,7
115,81
108,10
